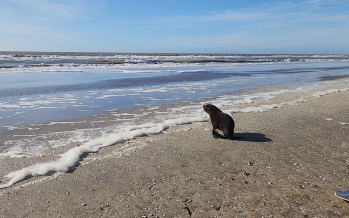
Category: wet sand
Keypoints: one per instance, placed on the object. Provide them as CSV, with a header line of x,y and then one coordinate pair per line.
x,y
289,164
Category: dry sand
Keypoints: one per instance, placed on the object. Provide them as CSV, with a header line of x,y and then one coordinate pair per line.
x,y
289,164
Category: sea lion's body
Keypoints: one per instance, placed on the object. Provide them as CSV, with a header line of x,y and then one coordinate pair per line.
x,y
220,121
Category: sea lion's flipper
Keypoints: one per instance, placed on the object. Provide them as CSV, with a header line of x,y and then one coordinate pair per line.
x,y
216,135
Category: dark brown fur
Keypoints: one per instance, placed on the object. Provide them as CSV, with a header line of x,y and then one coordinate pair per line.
x,y
220,121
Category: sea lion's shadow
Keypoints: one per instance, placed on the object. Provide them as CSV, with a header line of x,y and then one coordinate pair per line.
x,y
252,137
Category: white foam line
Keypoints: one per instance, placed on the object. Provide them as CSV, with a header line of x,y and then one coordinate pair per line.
x,y
160,112
29,128
108,96
166,99
53,123
265,108
153,108
126,114
71,157
319,94
45,108
74,131
9,106
11,127
14,154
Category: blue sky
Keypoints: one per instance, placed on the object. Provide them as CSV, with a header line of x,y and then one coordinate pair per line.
x,y
194,26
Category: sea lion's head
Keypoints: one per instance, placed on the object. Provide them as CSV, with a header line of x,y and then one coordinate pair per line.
x,y
210,108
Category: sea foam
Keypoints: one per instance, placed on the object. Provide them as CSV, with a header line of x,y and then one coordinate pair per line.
x,y
72,156
319,94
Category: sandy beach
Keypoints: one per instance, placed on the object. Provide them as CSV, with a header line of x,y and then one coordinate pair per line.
x,y
289,164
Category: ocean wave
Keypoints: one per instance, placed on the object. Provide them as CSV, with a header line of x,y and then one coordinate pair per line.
x,y
42,62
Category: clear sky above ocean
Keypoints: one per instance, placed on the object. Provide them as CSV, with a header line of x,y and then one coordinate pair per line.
x,y
185,26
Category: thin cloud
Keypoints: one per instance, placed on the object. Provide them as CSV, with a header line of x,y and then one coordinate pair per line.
x,y
49,10
284,13
302,41
44,18
230,15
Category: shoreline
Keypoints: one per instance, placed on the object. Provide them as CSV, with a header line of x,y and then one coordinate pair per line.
x,y
163,104
291,161
95,96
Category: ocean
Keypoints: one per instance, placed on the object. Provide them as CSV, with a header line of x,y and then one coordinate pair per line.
x,y
53,100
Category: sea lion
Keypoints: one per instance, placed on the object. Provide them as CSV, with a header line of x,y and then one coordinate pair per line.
x,y
220,121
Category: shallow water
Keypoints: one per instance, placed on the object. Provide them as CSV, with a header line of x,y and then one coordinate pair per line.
x,y
41,97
